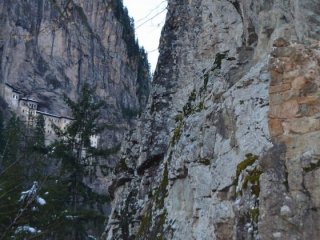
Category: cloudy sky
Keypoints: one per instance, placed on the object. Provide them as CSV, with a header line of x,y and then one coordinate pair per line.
x,y
149,17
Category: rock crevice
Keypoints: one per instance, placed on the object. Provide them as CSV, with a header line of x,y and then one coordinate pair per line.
x,y
235,79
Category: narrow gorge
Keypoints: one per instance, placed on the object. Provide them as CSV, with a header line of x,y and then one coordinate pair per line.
x,y
228,147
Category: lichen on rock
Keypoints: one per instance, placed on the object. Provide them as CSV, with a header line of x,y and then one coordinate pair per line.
x,y
235,77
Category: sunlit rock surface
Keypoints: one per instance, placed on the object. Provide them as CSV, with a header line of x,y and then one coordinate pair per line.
x,y
228,147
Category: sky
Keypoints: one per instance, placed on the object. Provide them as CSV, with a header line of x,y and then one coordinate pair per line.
x,y
149,17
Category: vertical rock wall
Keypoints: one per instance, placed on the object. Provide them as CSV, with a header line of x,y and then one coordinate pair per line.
x,y
227,148
294,124
51,47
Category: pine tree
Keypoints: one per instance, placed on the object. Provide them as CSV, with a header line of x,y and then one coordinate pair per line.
x,y
11,174
2,140
22,165
62,207
75,151
143,78
39,135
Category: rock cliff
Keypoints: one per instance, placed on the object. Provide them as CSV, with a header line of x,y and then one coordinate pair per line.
x,y
51,47
228,147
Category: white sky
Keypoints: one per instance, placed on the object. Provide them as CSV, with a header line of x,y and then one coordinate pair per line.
x,y
149,17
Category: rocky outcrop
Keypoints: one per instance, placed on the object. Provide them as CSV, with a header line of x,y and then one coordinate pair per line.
x,y
227,147
293,122
51,47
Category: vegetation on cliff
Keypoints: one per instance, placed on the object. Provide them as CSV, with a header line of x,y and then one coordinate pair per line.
x,y
58,204
135,52
70,210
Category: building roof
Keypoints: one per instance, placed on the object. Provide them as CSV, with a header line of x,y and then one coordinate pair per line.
x,y
70,118
13,88
35,101
29,100
53,115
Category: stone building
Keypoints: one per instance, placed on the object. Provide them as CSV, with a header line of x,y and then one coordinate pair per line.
x,y
28,110
50,120
11,95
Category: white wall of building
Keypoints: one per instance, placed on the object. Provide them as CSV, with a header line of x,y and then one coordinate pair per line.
x,y
27,110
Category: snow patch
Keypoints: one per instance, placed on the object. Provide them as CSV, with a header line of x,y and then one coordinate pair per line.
x,y
41,201
26,195
70,217
27,229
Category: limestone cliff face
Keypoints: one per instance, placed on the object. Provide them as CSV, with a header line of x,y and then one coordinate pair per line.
x,y
51,47
228,147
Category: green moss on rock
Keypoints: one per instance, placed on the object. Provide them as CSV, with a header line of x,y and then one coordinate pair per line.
x,y
192,96
218,60
152,223
205,161
121,166
187,109
205,80
313,166
248,161
200,107
177,133
162,192
254,214
145,225
179,117
253,177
